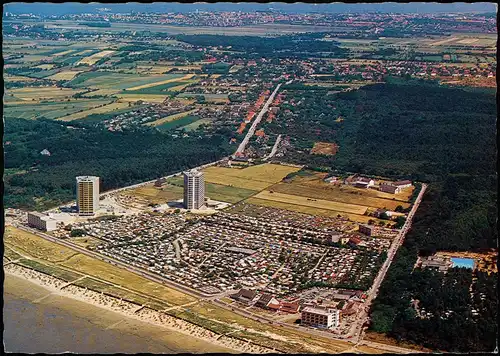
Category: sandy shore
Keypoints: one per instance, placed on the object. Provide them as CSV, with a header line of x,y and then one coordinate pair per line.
x,y
154,317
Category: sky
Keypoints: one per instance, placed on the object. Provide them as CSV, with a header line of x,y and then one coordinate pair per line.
x,y
415,7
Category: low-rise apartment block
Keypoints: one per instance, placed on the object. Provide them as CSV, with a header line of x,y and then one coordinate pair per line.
x,y
320,318
41,221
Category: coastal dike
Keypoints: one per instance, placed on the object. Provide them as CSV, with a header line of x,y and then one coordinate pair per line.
x,y
132,310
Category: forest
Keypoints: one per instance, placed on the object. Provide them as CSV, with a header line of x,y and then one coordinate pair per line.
x,y
427,133
34,181
282,46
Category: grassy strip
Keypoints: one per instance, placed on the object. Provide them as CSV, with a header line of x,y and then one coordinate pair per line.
x,y
54,271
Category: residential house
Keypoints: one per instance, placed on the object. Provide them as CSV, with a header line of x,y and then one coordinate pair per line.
x,y
265,300
244,296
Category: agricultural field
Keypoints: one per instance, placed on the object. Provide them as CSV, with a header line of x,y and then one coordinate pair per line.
x,y
342,194
170,118
98,110
175,78
37,94
177,123
90,60
65,75
49,110
113,80
310,202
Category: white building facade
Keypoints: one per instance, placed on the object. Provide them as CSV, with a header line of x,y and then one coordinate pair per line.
x,y
87,195
194,189
41,221
320,318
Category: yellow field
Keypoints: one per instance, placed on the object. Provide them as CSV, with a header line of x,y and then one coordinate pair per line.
x,y
99,110
314,203
27,243
82,52
220,178
46,66
63,53
90,60
170,118
17,78
41,93
182,86
343,194
64,75
123,278
156,69
103,92
149,85
157,196
270,173
309,210
150,98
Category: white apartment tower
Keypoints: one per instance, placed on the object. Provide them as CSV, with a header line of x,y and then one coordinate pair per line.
x,y
194,189
87,195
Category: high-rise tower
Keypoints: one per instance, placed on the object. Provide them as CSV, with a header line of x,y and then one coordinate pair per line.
x,y
87,195
194,189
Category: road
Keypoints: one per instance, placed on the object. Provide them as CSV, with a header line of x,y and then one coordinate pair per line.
x,y
250,132
275,148
373,291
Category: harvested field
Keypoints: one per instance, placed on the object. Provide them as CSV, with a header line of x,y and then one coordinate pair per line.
x,y
63,53
90,60
50,110
99,110
17,78
170,118
157,195
123,278
30,244
150,98
308,210
342,194
311,202
64,75
46,66
269,173
43,93
325,148
149,85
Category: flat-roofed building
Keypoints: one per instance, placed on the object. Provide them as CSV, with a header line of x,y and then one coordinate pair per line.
x,y
194,189
87,195
321,318
41,221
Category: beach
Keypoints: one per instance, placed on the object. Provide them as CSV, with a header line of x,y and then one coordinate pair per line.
x,y
93,321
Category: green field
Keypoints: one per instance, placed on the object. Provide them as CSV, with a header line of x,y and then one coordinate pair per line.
x,y
50,110
171,125
113,80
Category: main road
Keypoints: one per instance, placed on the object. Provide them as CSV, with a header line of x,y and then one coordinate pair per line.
x,y
250,132
373,291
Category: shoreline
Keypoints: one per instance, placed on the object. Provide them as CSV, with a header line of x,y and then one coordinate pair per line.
x,y
127,309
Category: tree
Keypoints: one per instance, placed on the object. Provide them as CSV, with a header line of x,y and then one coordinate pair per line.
x,y
399,209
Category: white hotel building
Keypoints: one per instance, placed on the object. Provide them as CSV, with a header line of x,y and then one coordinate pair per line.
x,y
87,195
320,317
194,189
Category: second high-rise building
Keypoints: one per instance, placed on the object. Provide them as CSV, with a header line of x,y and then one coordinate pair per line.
x,y
194,189
87,195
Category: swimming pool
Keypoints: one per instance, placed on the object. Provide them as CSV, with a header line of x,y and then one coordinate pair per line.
x,y
463,262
